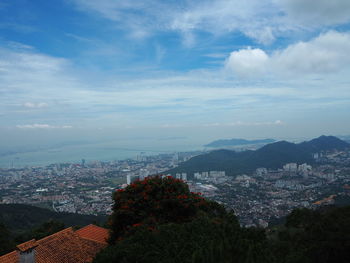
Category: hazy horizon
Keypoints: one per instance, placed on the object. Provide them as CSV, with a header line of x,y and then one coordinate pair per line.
x,y
104,150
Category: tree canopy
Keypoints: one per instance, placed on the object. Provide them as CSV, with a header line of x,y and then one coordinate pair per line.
x,y
160,220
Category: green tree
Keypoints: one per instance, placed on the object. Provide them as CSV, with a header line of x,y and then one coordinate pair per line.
x,y
320,236
48,228
6,243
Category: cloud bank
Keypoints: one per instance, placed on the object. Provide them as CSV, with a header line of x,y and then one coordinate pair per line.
x,y
325,54
42,126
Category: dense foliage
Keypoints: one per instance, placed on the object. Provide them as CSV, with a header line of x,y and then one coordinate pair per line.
x,y
156,201
19,218
320,236
8,240
202,240
160,220
6,243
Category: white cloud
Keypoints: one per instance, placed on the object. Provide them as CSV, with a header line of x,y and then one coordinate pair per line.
x,y
222,16
267,123
228,124
325,54
29,61
42,126
278,122
262,21
32,105
27,75
241,123
328,53
263,35
155,97
247,62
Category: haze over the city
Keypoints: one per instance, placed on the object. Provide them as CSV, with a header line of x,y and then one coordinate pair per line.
x,y
169,75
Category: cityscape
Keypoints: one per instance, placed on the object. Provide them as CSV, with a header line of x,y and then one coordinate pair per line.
x,y
258,199
189,131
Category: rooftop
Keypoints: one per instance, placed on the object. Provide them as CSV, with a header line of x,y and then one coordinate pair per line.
x,y
66,246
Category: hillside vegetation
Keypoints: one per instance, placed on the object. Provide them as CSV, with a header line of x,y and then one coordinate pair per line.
x,y
160,220
19,218
273,156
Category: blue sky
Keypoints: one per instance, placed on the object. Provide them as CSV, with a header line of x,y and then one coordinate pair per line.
x,y
202,69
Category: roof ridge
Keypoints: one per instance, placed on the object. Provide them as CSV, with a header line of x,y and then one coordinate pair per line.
x,y
84,227
14,252
68,229
30,244
94,240
90,225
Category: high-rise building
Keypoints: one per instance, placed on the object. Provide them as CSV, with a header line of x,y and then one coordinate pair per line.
x,y
261,171
197,176
290,167
128,179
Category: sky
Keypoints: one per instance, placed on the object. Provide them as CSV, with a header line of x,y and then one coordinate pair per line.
x,y
87,70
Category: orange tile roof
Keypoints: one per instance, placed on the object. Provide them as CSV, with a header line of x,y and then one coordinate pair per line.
x,y
9,258
65,246
93,232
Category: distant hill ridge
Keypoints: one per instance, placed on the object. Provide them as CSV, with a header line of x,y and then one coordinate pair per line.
x,y
273,156
237,142
20,217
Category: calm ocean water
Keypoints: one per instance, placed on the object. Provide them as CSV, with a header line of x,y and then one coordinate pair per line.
x,y
107,151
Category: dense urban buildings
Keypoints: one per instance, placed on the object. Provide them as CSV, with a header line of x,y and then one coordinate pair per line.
x,y
258,199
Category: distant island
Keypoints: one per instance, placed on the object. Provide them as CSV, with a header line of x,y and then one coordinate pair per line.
x,y
237,142
345,138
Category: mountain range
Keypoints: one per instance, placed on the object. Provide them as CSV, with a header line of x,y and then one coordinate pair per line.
x,y
273,155
237,142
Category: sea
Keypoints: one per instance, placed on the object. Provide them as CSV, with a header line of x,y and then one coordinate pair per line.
x,y
101,151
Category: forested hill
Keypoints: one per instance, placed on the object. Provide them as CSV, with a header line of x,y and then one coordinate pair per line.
x,y
19,217
273,155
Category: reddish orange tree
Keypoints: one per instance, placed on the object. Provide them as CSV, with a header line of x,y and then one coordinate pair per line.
x,y
155,201
160,220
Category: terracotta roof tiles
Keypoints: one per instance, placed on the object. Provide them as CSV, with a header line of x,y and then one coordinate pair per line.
x,y
9,258
94,233
65,246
